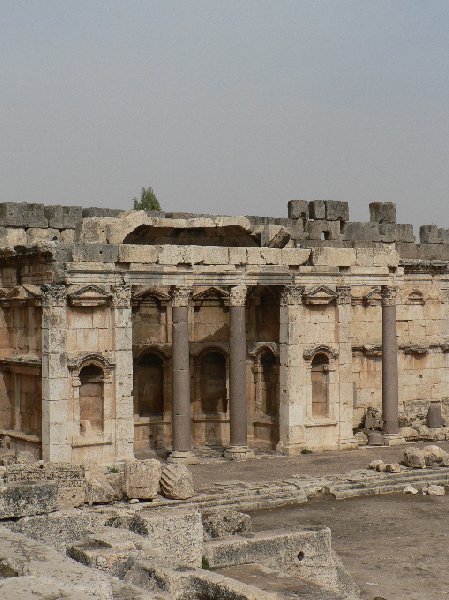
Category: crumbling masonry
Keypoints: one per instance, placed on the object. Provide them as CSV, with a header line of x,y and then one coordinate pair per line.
x,y
122,332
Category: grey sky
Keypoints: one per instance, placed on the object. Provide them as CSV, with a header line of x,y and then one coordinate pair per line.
x,y
227,106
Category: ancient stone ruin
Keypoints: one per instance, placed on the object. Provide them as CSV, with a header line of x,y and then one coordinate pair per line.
x,y
125,333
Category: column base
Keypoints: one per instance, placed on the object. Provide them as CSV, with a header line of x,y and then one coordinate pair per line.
x,y
393,439
183,458
238,453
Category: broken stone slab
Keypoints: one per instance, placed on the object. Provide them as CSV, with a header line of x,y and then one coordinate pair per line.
x,y
20,556
98,489
142,478
25,499
221,523
275,236
415,458
109,550
434,490
409,433
176,533
33,587
177,482
409,489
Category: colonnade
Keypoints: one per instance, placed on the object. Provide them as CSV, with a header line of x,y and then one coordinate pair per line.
x,y
238,447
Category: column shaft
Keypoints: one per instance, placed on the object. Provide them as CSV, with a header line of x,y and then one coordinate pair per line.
x,y
389,362
237,349
181,380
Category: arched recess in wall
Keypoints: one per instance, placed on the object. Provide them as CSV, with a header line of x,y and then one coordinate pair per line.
x,y
213,390
266,402
320,386
149,385
91,399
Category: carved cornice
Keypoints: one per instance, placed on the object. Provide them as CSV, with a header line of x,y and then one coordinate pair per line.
x,y
77,361
374,297
211,293
320,295
415,297
154,293
237,295
291,295
389,295
180,296
343,294
54,295
89,295
417,349
431,267
255,349
310,352
121,296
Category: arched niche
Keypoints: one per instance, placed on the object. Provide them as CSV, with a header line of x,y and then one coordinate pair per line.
x,y
320,385
149,385
213,390
91,399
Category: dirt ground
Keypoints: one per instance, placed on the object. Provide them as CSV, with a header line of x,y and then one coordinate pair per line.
x,y
396,547
280,467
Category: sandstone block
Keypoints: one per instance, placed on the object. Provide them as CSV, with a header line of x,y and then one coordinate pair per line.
x,y
334,257
222,523
428,234
298,209
434,490
360,231
26,499
414,457
409,433
177,482
142,478
317,209
98,488
295,256
274,236
409,489
22,214
376,465
361,438
337,210
382,212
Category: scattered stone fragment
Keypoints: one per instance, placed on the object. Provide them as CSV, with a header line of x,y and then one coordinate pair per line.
x,y
134,501
142,478
409,433
362,438
98,489
434,455
177,482
409,489
221,523
415,458
393,468
434,490
377,465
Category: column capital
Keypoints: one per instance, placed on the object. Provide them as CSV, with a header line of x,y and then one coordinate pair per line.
x,y
388,295
343,294
54,295
180,295
121,296
291,294
237,295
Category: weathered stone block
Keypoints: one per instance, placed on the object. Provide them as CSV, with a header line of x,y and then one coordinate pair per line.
x,y
298,209
323,230
359,231
414,457
334,257
95,253
428,234
274,236
404,233
177,482
63,217
26,499
22,214
337,210
221,523
317,209
142,478
382,212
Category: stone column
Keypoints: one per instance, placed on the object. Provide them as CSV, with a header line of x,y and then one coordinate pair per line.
x,y
238,447
180,417
345,379
292,372
123,349
389,367
56,423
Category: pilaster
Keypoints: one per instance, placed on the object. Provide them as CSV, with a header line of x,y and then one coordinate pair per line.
x,y
344,340
56,445
291,372
123,349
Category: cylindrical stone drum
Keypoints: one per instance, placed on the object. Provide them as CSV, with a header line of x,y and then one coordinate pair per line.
x,y
434,420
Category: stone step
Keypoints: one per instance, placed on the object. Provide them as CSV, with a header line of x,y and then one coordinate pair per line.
x,y
373,490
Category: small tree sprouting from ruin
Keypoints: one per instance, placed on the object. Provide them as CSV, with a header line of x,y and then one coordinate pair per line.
x,y
147,201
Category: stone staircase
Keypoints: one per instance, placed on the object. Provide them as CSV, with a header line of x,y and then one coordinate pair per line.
x,y
299,488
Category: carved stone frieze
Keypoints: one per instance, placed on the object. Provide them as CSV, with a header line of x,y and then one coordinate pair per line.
x,y
343,294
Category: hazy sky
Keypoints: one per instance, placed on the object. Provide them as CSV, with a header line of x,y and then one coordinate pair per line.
x,y
232,107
